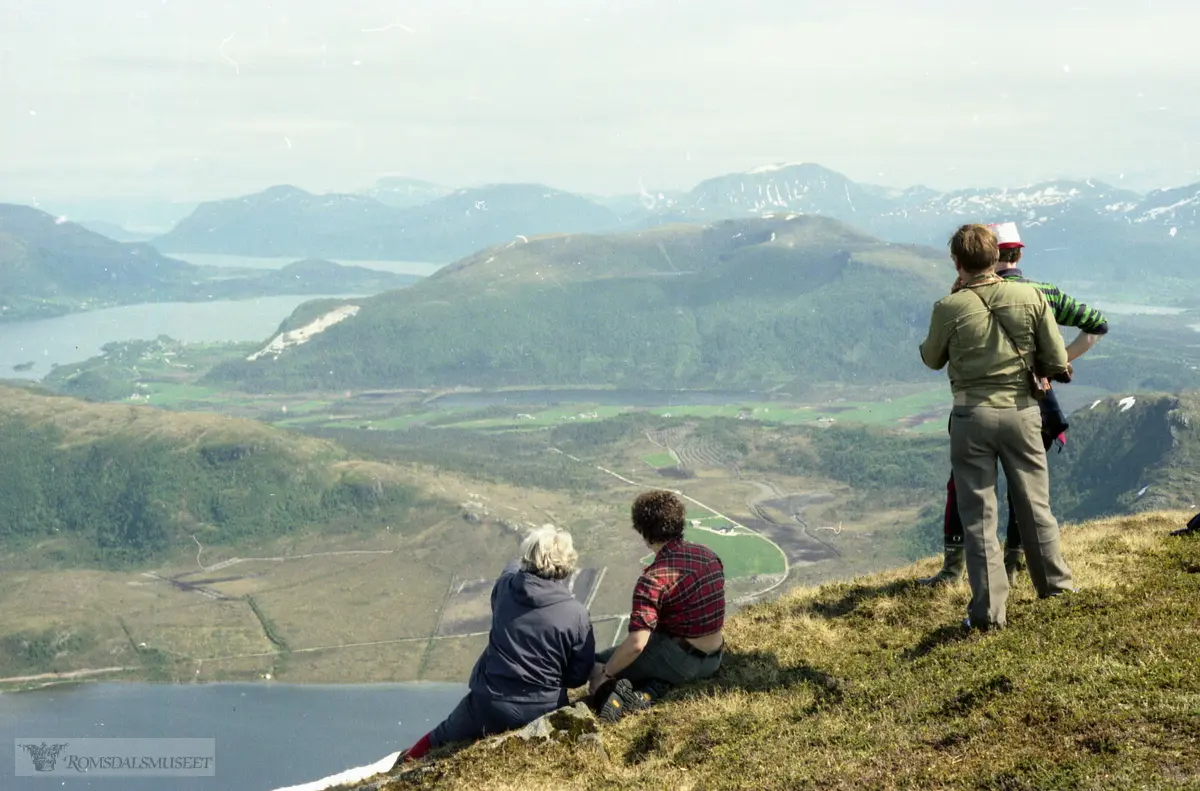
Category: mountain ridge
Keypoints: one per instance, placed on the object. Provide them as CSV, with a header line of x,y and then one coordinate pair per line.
x,y
50,266
287,221
736,303
1072,222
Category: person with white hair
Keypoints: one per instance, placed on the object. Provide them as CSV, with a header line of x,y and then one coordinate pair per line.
x,y
541,645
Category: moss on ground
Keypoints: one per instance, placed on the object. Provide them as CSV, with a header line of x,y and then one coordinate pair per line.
x,y
874,684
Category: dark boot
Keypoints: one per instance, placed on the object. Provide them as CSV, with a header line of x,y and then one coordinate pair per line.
x,y
953,563
621,701
1014,564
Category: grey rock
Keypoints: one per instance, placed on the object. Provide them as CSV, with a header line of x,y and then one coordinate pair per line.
x,y
568,725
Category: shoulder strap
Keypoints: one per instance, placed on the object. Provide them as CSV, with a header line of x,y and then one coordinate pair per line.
x,y
996,316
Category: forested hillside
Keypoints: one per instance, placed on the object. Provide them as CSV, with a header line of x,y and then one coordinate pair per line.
x,y
91,484
738,304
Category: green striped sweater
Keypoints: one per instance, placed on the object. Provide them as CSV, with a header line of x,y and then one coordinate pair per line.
x,y
1068,311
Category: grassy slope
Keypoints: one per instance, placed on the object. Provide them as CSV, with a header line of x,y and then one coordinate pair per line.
x,y
872,684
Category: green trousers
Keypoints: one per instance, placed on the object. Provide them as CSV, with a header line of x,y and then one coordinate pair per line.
x,y
979,436
663,660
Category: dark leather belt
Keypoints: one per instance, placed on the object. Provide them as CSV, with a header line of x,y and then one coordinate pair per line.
x,y
692,650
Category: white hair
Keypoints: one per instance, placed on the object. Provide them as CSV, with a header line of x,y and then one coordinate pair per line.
x,y
549,552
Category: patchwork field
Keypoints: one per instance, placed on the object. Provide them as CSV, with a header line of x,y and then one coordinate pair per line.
x,y
411,603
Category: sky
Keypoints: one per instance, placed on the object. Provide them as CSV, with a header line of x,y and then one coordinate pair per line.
x,y
202,99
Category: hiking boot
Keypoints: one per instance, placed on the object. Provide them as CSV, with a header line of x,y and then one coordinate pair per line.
x,y
953,563
1014,564
654,689
622,701
987,627
596,700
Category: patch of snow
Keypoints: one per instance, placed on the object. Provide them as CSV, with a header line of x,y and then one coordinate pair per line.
x,y
1143,490
523,238
1152,214
1094,404
771,168
285,340
354,775
772,236
1126,404
1173,232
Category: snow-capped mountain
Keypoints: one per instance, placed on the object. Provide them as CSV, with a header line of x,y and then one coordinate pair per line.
x,y
1069,223
1176,208
1072,223
797,187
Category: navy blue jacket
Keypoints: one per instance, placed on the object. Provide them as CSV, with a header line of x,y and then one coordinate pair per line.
x,y
541,643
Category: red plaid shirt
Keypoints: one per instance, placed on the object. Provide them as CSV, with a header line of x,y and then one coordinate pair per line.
x,y
682,593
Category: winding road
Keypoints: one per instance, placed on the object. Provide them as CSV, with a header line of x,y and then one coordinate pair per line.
x,y
750,597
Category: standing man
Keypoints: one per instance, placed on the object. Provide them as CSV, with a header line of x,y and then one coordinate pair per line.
x,y
677,616
1068,312
995,334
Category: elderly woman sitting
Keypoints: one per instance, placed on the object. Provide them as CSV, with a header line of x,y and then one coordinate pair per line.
x,y
541,644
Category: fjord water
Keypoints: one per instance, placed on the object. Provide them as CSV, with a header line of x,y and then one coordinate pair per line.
x,y
421,268
76,337
268,735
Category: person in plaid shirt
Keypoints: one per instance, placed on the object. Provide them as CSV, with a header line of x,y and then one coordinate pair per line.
x,y
677,616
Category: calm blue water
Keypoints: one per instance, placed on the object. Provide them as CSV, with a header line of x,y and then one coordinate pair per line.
x,y
268,735
421,268
79,336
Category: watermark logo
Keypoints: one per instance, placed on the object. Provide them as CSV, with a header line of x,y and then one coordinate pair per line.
x,y
44,756
116,757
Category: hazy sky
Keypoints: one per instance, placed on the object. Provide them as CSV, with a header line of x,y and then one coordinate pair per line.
x,y
194,99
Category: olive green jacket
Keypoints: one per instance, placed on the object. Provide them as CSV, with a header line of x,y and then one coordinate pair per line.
x,y
985,369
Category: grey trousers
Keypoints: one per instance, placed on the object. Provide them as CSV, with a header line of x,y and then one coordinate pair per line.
x,y
978,437
663,660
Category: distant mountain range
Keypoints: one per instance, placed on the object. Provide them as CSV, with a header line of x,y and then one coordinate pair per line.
x,y
140,217
49,267
1071,226
287,221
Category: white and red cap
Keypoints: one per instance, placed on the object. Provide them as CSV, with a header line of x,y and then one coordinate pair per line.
x,y
1006,235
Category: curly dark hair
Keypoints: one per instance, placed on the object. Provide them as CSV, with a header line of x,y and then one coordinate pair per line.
x,y
659,516
1010,255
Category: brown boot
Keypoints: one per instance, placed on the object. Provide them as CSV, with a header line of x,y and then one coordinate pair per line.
x,y
953,563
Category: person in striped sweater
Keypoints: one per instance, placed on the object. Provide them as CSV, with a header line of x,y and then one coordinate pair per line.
x,y
1068,312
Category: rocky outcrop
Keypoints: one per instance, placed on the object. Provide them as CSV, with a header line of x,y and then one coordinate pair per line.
x,y
575,725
